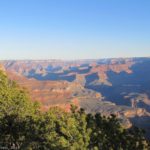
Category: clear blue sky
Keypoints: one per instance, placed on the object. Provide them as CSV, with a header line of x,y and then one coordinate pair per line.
x,y
74,29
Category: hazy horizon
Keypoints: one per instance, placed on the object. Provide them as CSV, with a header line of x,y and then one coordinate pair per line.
x,y
88,59
72,30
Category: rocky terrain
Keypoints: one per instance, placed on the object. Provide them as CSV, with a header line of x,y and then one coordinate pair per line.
x,y
118,86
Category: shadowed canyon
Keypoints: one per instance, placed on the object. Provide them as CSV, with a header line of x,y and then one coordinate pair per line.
x,y
109,86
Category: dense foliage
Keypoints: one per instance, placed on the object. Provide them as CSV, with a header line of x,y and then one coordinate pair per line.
x,y
23,126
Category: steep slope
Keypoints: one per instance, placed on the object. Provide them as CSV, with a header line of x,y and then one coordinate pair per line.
x,y
49,93
130,89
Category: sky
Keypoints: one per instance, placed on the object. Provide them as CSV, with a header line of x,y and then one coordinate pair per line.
x,y
74,29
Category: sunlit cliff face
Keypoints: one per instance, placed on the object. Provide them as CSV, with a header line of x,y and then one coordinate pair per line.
x,y
2,68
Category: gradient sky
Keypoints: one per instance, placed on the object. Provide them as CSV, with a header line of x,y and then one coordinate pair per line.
x,y
74,29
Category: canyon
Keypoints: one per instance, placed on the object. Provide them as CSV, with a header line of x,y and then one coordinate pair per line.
x,y
119,86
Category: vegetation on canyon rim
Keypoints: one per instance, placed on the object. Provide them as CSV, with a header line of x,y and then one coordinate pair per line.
x,y
24,126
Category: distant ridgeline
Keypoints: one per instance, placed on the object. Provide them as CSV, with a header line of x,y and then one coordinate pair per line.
x,y
24,126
